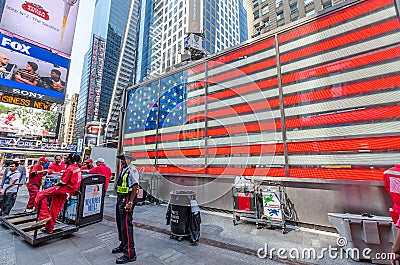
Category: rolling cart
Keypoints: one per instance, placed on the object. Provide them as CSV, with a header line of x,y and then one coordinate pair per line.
x,y
24,225
246,202
83,208
273,210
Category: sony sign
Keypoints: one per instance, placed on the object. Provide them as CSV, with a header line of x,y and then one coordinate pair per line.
x,y
27,93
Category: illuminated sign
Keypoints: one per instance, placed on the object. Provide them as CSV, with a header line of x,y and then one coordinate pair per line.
x,y
92,200
90,140
47,22
25,102
30,71
195,16
24,122
19,143
96,76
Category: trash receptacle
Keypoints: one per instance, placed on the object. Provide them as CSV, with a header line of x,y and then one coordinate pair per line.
x,y
180,211
359,232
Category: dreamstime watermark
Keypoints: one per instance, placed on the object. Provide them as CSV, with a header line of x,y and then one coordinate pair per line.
x,y
331,252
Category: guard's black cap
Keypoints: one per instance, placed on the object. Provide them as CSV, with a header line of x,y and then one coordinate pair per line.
x,y
125,155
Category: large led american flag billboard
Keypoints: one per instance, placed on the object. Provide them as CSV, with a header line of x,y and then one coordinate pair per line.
x,y
319,100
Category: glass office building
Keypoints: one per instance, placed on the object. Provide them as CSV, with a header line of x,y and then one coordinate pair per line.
x,y
162,32
109,23
125,72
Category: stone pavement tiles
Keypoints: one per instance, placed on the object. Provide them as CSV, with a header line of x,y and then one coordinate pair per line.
x,y
93,244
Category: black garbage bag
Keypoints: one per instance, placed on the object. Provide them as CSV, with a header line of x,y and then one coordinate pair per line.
x,y
195,221
168,214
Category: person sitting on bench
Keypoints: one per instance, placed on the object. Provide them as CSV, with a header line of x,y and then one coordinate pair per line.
x,y
10,188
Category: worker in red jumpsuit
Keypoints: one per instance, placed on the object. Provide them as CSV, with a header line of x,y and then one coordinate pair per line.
x,y
102,169
35,181
58,166
391,180
88,164
69,184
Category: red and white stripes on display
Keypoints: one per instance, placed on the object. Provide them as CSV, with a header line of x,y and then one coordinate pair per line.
x,y
340,77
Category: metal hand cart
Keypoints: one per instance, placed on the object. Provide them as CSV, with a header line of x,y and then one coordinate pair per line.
x,y
78,211
273,206
246,203
24,224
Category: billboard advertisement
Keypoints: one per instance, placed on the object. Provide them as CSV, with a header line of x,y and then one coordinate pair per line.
x,y
17,121
47,22
92,200
96,76
31,72
195,16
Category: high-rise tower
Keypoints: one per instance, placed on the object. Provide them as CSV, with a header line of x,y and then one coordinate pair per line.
x,y
101,63
266,15
125,72
163,28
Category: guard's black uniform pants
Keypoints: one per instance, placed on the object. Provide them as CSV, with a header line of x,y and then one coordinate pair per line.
x,y
125,227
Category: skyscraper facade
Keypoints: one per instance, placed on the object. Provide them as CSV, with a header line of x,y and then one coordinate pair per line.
x,y
125,72
101,63
266,15
163,30
69,118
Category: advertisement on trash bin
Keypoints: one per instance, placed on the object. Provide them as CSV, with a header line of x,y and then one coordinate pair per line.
x,y
92,199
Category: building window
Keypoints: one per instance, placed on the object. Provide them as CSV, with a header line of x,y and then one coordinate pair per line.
x,y
306,2
295,18
279,3
255,3
265,10
279,16
266,23
256,15
310,13
293,8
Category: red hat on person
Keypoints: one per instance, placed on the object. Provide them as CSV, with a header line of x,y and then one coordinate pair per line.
x,y
43,159
89,160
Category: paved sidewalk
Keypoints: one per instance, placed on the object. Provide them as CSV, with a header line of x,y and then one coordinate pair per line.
x,y
245,237
221,242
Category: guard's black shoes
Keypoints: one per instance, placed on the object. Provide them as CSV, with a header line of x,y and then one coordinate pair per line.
x,y
117,250
124,259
